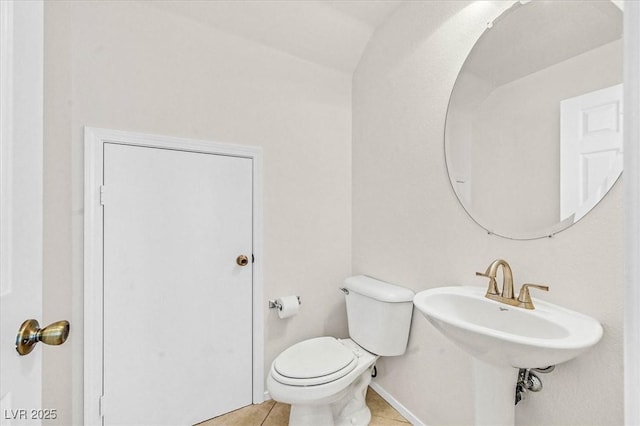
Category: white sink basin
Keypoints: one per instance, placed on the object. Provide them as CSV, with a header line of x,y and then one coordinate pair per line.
x,y
508,336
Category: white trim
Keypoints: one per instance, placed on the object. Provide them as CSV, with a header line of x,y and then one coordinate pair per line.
x,y
92,274
94,142
632,212
404,411
6,143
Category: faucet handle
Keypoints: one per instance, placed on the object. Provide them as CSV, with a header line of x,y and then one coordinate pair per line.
x,y
525,298
493,284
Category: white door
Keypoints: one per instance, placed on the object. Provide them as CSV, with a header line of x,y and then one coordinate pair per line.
x,y
177,301
590,149
20,207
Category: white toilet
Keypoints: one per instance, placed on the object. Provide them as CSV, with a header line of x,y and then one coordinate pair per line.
x,y
325,379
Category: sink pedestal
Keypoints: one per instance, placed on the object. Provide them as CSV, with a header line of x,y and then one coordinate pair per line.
x,y
495,389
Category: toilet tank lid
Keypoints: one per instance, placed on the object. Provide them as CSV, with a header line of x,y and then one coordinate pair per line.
x,y
378,290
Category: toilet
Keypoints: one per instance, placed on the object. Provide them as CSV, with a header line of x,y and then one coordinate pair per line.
x,y
325,379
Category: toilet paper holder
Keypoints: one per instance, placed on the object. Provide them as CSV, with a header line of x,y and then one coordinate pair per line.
x,y
274,304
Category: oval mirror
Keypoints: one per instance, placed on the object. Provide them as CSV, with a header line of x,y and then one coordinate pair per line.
x,y
533,135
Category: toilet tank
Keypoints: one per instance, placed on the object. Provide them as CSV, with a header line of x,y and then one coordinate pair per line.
x,y
379,314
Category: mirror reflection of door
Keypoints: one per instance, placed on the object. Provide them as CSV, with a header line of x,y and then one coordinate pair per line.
x,y
590,149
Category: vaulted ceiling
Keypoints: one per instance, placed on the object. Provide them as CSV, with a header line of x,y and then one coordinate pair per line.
x,y
332,33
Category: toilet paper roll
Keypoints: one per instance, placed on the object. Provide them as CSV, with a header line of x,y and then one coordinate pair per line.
x,y
289,306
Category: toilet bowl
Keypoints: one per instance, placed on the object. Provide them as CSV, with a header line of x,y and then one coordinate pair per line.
x,y
326,397
326,379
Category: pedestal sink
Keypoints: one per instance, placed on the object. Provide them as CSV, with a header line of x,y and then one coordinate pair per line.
x,y
504,338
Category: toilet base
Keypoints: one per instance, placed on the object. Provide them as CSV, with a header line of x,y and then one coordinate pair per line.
x,y
302,415
350,408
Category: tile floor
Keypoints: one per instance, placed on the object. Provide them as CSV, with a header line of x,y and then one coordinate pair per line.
x,y
271,413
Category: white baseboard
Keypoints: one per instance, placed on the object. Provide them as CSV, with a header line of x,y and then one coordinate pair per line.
x,y
397,405
267,396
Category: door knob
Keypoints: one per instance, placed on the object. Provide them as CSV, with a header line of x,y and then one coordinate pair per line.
x,y
242,260
30,333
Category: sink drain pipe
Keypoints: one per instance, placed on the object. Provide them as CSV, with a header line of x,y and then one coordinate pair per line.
x,y
528,380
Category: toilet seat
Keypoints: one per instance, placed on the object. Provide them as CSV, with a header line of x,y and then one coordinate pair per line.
x,y
314,362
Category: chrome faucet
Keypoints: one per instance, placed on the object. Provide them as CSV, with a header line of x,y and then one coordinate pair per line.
x,y
506,295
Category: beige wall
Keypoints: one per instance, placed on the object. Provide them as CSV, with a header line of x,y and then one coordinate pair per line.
x,y
408,228
126,66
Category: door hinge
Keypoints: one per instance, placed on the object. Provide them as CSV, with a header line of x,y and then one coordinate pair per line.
x,y
102,195
101,405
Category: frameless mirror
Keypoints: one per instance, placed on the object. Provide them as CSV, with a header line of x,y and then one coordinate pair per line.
x,y
533,136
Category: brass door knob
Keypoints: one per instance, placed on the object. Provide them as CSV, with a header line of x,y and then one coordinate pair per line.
x,y
242,260
30,333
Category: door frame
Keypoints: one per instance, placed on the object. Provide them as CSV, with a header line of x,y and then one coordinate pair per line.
x,y
631,207
94,140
